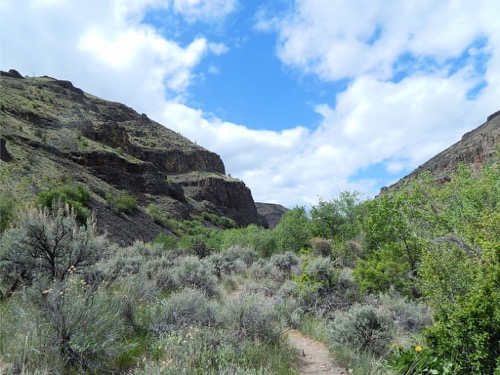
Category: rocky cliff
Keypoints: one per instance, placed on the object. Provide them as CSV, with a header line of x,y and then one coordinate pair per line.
x,y
51,130
475,149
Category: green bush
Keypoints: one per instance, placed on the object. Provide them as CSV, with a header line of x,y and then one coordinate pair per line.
x,y
380,272
220,221
363,328
74,194
123,202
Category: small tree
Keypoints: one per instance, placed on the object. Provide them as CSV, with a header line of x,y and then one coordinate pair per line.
x,y
48,244
293,231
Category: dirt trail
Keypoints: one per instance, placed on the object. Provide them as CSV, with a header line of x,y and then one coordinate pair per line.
x,y
313,356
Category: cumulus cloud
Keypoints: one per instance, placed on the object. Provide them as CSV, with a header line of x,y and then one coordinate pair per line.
x,y
420,74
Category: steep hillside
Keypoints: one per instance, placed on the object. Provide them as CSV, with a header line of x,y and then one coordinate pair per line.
x,y
52,131
476,148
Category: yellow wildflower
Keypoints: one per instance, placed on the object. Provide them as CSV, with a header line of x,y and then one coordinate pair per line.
x,y
418,348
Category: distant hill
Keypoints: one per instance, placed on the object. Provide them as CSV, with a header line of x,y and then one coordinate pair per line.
x,y
51,131
271,212
475,149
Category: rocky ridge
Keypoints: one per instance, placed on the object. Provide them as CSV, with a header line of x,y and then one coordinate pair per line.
x,y
476,148
51,130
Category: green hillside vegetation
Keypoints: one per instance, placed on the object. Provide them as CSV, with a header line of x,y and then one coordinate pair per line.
x,y
407,283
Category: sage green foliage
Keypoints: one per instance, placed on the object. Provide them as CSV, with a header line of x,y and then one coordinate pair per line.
x,y
70,192
363,328
123,202
48,244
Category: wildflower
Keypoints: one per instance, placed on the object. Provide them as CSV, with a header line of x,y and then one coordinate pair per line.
x,y
418,348
394,345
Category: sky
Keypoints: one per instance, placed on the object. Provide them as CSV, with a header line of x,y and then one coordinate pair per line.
x,y
302,99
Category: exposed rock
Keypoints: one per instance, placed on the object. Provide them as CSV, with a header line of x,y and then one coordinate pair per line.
x,y
11,73
4,154
271,212
59,131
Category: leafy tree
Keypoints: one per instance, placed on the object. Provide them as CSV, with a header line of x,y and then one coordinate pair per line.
x,y
293,231
397,227
337,218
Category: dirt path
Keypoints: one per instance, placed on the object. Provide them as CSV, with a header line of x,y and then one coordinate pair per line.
x,y
313,356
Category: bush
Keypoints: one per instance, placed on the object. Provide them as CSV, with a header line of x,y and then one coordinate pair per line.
x,y
88,325
48,244
184,309
194,273
363,328
285,262
123,202
71,193
253,317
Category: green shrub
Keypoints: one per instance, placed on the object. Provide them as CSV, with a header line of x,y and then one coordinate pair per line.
x,y
123,202
159,217
380,272
220,221
74,194
468,331
363,328
418,360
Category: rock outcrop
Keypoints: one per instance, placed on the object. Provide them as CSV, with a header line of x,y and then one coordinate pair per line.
x,y
53,130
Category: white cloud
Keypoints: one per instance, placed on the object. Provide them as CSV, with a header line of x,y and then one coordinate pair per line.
x,y
102,47
205,10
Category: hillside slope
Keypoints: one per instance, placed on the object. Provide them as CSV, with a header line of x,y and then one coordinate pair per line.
x,y
52,131
475,149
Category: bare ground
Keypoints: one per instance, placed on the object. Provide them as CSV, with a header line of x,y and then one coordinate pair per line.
x,y
313,356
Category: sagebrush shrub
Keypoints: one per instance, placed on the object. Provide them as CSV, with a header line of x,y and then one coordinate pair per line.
x,y
186,308
48,244
363,328
253,317
195,273
285,262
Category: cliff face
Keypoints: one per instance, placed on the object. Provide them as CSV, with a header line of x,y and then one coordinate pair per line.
x,y
476,148
51,130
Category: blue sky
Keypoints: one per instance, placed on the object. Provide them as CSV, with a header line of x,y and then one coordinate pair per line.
x,y
301,98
